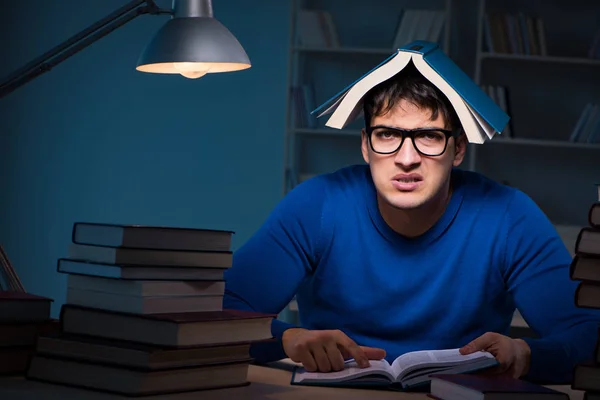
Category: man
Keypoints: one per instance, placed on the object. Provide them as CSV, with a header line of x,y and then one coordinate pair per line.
x,y
410,253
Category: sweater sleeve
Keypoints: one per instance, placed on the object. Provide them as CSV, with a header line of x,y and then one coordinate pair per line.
x,y
269,267
537,276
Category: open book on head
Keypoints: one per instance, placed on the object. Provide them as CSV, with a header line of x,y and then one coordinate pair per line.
x,y
480,117
405,372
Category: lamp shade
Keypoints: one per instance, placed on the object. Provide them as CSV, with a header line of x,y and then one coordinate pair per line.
x,y
193,46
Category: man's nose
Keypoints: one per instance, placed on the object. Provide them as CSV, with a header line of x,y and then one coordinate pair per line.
x,y
407,155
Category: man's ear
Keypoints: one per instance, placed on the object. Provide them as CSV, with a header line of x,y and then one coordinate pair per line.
x,y
460,148
364,145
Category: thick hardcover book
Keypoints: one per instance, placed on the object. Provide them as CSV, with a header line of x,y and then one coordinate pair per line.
x,y
137,355
138,272
594,216
480,116
408,371
135,382
471,387
151,237
173,329
585,268
588,242
163,258
586,376
587,295
23,307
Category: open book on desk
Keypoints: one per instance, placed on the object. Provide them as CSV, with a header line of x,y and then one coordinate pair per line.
x,y
407,371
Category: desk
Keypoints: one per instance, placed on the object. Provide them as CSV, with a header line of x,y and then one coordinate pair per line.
x,y
269,383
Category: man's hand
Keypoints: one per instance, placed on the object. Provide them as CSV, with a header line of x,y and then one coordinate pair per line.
x,y
513,355
325,350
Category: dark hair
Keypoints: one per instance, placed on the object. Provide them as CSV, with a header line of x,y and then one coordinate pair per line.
x,y
409,85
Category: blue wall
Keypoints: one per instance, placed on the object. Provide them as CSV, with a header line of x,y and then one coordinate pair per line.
x,y
95,140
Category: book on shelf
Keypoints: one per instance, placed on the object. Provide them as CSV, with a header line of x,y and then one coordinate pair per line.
x,y
151,237
480,117
410,370
419,24
138,272
587,127
480,387
514,33
130,381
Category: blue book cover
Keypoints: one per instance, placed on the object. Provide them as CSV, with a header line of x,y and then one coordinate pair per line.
x,y
464,86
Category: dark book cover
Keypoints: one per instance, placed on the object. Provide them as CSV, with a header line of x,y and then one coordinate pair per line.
x,y
496,384
6,295
181,318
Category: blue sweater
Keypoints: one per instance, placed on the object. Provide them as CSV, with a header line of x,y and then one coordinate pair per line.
x,y
491,251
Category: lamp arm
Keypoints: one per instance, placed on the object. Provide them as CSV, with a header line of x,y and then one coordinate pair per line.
x,y
77,42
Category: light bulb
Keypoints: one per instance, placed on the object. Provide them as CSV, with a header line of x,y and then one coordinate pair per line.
x,y
192,70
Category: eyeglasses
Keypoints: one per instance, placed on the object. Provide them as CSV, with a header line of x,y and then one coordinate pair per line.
x,y
429,142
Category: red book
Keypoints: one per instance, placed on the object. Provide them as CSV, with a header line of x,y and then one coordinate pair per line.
x,y
466,387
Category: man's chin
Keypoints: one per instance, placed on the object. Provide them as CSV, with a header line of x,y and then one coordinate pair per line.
x,y
406,201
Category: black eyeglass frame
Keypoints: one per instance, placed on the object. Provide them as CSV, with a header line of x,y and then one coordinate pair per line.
x,y
411,134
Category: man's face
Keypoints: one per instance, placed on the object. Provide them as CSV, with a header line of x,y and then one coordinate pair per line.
x,y
406,179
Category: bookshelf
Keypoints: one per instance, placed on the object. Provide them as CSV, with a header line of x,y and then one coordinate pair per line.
x,y
360,35
539,52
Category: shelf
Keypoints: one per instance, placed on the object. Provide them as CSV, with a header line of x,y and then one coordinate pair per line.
x,y
547,143
544,59
344,50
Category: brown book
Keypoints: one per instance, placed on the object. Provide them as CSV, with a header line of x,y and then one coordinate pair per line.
x,y
180,329
23,307
587,295
480,387
585,268
151,237
594,216
136,355
586,376
25,333
588,242
135,382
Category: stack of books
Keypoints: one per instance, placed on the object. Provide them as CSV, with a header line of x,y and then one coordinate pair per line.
x,y
586,269
143,313
23,316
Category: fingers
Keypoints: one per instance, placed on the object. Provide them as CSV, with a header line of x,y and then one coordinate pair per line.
x,y
334,355
321,357
483,342
373,353
350,349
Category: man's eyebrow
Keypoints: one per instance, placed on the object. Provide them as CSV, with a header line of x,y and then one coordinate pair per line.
x,y
412,129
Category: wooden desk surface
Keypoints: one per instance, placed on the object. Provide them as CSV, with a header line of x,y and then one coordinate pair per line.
x,y
271,383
